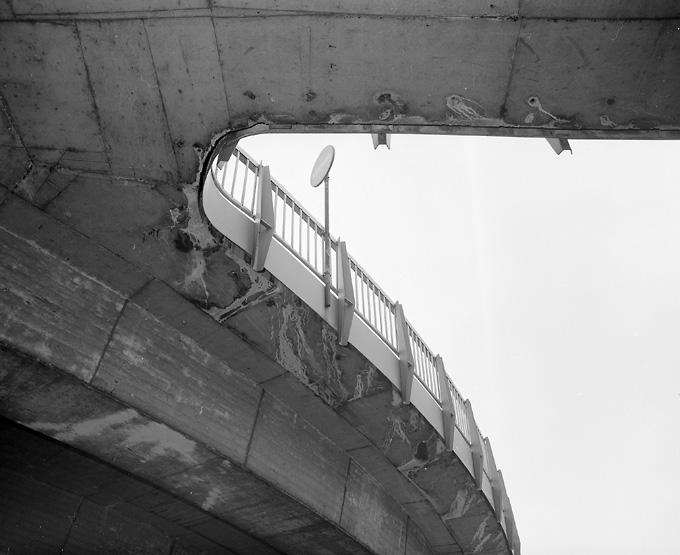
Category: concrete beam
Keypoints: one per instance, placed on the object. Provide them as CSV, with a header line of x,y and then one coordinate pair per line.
x,y
192,384
131,89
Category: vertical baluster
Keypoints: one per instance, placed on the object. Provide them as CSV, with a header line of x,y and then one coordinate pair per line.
x,y
435,382
255,185
360,277
316,248
381,304
390,324
368,299
292,224
364,281
223,178
233,178
307,227
419,352
376,316
285,212
300,232
244,184
419,347
428,378
430,371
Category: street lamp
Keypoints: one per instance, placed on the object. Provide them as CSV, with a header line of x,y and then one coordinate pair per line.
x,y
320,174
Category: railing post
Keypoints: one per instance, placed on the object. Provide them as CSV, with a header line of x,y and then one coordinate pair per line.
x,y
448,414
477,452
510,525
406,364
496,484
225,154
264,219
345,294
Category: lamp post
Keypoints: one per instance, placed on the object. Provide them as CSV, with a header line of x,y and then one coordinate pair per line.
x,y
320,171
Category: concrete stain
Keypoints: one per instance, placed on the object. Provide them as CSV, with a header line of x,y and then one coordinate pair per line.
x,y
183,241
461,504
534,102
69,432
329,340
212,498
194,282
358,389
288,349
606,122
367,381
160,441
396,430
482,536
197,228
464,108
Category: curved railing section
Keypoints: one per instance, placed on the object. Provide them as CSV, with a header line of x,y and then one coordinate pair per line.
x,y
252,209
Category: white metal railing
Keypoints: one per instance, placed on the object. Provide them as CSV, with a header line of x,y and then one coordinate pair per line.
x,y
302,234
459,411
385,336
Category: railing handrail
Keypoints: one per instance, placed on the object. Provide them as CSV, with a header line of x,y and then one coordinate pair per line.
x,y
284,218
423,352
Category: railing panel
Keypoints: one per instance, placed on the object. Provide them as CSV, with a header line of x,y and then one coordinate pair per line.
x,y
425,367
303,235
461,414
300,239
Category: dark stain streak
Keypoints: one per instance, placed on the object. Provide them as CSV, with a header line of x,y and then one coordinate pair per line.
x,y
183,242
586,61
421,451
529,48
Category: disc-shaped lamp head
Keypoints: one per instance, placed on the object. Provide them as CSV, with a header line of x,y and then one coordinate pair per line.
x,y
322,166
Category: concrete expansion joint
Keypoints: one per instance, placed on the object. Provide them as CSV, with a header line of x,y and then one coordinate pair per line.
x,y
344,491
252,432
12,125
27,173
105,175
108,342
72,519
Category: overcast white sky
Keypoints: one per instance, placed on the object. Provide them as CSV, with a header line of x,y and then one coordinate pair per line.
x,y
550,285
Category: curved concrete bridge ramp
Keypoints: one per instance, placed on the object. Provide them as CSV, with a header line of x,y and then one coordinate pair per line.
x,y
195,401
167,398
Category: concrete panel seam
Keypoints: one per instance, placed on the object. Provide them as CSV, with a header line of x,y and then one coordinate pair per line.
x,y
58,168
224,84
408,521
74,17
73,520
90,88
108,342
4,196
172,546
13,127
344,493
264,382
252,433
160,94
11,10
512,65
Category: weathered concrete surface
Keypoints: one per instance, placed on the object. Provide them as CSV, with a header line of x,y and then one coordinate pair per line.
x,y
215,410
129,88
137,335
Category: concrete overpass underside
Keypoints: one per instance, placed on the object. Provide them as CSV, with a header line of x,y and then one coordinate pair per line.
x,y
156,394
193,398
